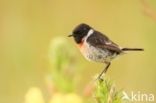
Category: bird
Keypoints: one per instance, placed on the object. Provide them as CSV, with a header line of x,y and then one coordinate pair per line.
x,y
96,46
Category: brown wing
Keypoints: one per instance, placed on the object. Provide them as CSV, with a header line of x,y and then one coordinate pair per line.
x,y
99,40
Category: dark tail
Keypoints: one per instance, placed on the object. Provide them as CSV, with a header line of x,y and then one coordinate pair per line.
x,y
132,49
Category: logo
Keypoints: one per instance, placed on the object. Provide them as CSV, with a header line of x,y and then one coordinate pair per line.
x,y
138,96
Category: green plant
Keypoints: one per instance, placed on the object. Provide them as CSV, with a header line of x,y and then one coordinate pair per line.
x,y
62,64
105,92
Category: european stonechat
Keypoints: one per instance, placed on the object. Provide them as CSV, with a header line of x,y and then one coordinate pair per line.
x,y
95,46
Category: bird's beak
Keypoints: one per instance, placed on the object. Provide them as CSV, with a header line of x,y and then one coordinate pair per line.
x,y
70,35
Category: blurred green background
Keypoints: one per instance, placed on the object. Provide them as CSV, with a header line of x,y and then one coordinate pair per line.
x,y
28,26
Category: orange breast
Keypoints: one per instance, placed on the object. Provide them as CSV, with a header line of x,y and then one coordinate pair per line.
x,y
80,45
82,48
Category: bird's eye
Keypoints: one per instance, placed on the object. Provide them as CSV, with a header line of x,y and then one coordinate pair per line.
x,y
77,32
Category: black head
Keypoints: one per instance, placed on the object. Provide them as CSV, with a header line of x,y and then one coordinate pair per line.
x,y
80,31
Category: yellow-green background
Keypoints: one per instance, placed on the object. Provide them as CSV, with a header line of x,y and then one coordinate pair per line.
x,y
27,27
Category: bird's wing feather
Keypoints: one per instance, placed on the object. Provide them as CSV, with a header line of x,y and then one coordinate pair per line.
x,y
99,40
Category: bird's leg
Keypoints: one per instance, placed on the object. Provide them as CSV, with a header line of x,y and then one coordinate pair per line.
x,y
104,70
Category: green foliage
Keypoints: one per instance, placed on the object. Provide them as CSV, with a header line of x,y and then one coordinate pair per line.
x,y
105,92
62,63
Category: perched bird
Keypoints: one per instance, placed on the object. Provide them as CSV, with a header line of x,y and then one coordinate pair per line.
x,y
95,46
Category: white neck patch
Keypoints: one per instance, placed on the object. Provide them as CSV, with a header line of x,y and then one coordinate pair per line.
x,y
90,32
